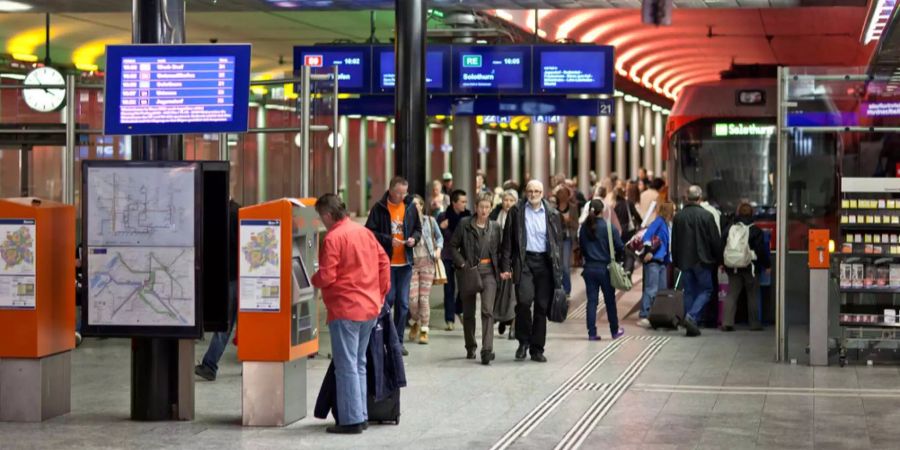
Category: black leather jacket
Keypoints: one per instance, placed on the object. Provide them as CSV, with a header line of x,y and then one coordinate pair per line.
x,y
512,257
464,244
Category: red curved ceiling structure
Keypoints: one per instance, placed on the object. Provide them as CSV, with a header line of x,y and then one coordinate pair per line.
x,y
701,43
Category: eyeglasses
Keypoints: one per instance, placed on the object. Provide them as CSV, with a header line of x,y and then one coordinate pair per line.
x,y
534,192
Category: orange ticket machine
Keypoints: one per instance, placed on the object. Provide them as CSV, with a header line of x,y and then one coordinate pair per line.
x,y
278,313
37,308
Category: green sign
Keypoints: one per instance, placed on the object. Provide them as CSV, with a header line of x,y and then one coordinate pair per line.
x,y
471,60
742,129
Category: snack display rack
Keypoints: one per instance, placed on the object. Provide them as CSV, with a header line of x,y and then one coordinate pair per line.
x,y
868,264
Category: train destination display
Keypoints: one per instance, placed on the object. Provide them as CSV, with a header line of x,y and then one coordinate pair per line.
x,y
492,69
437,65
574,69
353,64
154,89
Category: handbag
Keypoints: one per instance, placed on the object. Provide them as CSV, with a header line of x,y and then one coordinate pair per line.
x,y
620,280
468,281
559,308
440,273
505,303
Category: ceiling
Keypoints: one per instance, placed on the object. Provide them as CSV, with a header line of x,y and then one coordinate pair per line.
x,y
269,5
701,43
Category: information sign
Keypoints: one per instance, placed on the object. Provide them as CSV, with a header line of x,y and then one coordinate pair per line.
x,y
437,69
492,69
18,259
260,265
175,89
353,62
583,69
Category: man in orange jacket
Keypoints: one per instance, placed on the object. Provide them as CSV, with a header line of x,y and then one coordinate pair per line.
x,y
353,290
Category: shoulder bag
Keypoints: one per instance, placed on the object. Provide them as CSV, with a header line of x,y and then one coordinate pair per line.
x,y
440,272
620,280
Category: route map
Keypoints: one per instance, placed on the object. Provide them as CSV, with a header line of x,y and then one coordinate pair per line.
x,y
17,263
17,249
260,265
141,286
262,250
145,206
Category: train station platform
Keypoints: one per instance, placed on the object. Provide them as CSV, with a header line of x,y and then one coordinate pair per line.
x,y
646,390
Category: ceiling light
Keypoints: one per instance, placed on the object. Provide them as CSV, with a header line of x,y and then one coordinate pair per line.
x,y
13,76
630,98
25,57
10,6
880,12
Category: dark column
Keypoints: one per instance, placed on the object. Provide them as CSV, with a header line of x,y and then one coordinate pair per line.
x,y
409,150
156,384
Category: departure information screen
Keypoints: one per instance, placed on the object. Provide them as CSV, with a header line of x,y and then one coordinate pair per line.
x,y
156,89
353,64
492,69
437,68
574,69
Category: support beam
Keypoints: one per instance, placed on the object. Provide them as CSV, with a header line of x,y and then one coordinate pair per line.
x,y
621,155
658,163
584,154
363,166
634,135
410,93
501,147
647,122
464,137
604,147
540,153
515,153
563,149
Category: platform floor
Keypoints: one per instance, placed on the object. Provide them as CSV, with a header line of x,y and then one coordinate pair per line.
x,y
648,390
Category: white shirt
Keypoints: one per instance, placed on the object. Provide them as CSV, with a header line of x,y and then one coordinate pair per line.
x,y
535,228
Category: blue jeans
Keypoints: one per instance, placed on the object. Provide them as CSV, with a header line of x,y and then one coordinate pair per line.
x,y
398,296
655,280
450,293
698,288
349,340
567,265
220,339
597,279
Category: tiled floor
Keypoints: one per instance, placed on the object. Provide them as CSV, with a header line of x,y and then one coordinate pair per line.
x,y
651,390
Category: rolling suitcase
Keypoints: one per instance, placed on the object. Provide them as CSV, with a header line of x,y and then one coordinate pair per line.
x,y
668,308
387,410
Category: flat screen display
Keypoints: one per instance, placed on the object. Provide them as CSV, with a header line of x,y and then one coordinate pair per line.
x,y
300,273
176,89
492,69
584,69
437,69
353,63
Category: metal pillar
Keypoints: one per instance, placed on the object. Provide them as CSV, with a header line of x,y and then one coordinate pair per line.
x,y
68,159
515,152
427,152
620,138
343,148
658,146
527,176
552,158
500,159
410,93
463,138
649,161
305,172
634,135
781,193
363,166
24,171
446,141
388,153
262,162
482,154
563,149
604,147
584,154
539,151
222,147
162,372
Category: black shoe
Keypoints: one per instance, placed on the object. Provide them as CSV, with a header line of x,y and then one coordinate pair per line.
x,y
345,429
759,328
365,425
727,328
487,357
470,354
204,372
521,352
538,357
405,353
691,327
501,328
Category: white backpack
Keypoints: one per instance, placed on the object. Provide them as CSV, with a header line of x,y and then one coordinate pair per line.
x,y
737,248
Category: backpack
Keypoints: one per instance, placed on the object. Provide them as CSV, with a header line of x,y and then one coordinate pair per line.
x,y
737,248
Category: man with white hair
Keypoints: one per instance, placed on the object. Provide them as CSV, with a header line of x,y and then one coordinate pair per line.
x,y
530,254
696,250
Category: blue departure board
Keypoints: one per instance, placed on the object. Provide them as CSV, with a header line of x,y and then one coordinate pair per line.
x,y
437,69
176,89
354,64
492,69
581,69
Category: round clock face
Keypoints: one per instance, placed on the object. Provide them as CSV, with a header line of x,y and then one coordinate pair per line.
x,y
44,100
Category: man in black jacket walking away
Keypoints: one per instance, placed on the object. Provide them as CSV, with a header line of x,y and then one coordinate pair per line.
x,y
530,252
395,222
696,250
448,221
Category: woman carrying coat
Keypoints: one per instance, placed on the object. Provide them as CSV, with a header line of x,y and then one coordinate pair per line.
x,y
425,254
476,244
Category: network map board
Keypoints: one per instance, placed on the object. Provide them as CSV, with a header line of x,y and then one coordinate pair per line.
x,y
140,234
176,89
573,69
354,64
437,69
492,69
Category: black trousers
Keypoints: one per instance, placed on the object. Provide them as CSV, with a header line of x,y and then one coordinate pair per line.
x,y
535,288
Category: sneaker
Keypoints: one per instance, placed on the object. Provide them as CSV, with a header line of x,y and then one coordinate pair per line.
x,y
413,332
618,334
345,429
204,372
449,326
644,323
405,353
691,327
423,338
